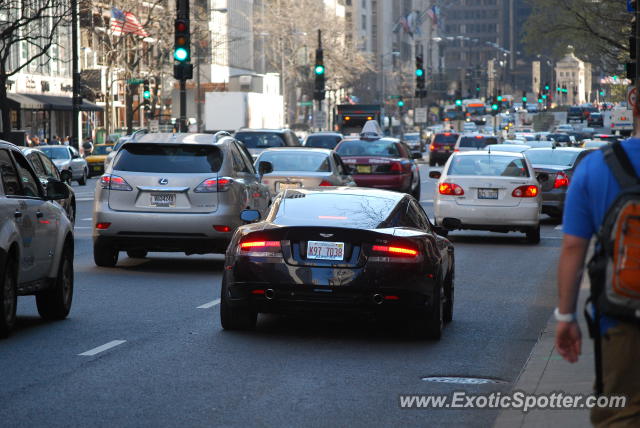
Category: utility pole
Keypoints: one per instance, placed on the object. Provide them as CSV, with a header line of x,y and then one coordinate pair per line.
x,y
182,68
76,98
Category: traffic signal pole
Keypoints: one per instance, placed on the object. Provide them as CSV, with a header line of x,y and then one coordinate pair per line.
x,y
636,108
183,13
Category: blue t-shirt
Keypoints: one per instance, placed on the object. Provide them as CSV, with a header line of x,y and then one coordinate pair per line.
x,y
592,190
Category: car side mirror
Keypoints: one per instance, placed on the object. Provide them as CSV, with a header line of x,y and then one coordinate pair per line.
x,y
435,175
265,167
65,175
542,177
56,190
250,216
451,223
416,155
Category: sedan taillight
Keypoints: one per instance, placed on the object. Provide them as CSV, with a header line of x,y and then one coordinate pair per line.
x,y
260,247
561,180
525,192
325,183
450,189
211,185
394,251
114,182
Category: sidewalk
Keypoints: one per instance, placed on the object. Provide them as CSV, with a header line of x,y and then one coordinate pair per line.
x,y
546,372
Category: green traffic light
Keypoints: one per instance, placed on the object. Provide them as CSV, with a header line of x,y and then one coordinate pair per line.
x,y
524,99
602,93
180,54
319,69
494,107
146,94
419,72
540,100
544,97
546,87
400,103
499,98
458,102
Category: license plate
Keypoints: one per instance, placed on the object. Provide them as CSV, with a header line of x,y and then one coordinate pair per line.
x,y
363,169
284,186
163,199
323,250
447,148
487,193
96,167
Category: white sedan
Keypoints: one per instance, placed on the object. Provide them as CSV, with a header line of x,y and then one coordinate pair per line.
x,y
495,191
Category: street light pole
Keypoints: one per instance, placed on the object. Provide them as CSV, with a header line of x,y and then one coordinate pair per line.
x,y
75,73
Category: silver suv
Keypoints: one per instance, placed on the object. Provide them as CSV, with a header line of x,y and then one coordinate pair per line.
x,y
174,193
36,241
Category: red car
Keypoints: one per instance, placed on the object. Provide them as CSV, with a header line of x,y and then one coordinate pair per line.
x,y
383,163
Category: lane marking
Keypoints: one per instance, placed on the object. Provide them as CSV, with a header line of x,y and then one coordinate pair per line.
x,y
559,227
84,199
83,227
211,304
87,219
102,348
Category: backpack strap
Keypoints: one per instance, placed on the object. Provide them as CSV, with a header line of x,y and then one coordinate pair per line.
x,y
620,165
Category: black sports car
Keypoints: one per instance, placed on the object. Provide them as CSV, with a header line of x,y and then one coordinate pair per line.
x,y
340,250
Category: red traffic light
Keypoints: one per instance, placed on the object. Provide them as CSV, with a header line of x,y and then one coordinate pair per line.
x,y
181,26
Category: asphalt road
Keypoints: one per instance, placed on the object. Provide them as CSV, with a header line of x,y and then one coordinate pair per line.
x,y
167,362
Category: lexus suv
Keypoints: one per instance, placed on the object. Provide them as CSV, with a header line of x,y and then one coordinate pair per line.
x,y
36,241
174,193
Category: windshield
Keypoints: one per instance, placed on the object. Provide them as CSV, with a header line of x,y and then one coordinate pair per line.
x,y
489,165
477,110
477,142
552,157
168,158
322,141
101,150
56,152
332,209
368,148
301,161
260,140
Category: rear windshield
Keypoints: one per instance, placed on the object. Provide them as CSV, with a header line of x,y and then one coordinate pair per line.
x,y
477,142
552,157
322,141
168,158
101,150
411,137
368,148
446,138
56,152
560,138
330,209
489,165
300,161
575,110
260,140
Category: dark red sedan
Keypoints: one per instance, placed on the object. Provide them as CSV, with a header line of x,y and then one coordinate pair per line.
x,y
382,163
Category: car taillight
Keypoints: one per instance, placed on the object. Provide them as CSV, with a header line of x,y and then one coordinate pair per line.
x,y
113,182
325,183
221,228
211,185
260,245
561,180
395,251
525,192
450,189
432,147
103,226
395,167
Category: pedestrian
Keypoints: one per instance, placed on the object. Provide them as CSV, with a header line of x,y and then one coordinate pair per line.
x,y
87,146
55,140
593,197
35,141
66,141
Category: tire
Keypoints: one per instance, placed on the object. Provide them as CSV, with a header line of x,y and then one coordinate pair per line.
x,y
431,324
449,294
105,255
71,214
55,303
83,181
416,192
8,298
533,235
137,254
235,318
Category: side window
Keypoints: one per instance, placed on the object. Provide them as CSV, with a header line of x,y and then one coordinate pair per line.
x,y
413,218
50,169
338,162
74,152
10,180
404,151
423,218
248,166
238,163
37,166
29,181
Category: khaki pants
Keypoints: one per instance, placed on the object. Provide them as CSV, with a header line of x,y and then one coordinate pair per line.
x,y
620,376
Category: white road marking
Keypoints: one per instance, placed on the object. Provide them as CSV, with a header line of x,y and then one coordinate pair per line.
x,y
87,219
84,199
102,348
209,305
559,227
83,227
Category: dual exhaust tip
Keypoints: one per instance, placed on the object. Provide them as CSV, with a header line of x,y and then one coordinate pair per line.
x,y
378,299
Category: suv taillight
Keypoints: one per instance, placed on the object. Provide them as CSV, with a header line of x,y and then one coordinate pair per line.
x,y
211,185
525,192
114,182
450,189
561,180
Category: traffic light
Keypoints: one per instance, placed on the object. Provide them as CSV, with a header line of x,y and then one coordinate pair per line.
x,y
146,93
546,87
494,109
602,93
400,103
319,72
459,104
478,89
421,91
182,41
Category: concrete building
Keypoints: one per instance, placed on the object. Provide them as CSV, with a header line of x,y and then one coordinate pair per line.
x,y
574,75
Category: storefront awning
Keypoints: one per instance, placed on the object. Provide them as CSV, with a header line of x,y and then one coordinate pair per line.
x,y
48,102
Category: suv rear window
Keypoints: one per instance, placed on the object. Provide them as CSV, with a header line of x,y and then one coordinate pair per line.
x,y
447,138
260,140
477,142
169,158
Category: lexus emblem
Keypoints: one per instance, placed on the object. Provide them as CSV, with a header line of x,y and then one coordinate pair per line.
x,y
163,181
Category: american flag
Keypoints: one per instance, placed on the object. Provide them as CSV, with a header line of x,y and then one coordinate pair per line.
x,y
125,22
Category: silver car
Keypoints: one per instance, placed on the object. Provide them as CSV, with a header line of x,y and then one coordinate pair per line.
x,y
68,158
303,167
174,193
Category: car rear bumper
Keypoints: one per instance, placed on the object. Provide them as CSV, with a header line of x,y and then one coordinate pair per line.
x,y
439,156
400,182
553,202
527,214
96,169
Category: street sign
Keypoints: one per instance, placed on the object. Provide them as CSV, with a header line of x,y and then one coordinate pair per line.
x,y
305,104
319,119
135,81
154,125
420,115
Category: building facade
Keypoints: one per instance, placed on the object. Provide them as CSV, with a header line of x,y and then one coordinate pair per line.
x,y
574,75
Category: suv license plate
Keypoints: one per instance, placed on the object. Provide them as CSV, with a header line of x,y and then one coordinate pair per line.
x,y
163,199
487,193
323,250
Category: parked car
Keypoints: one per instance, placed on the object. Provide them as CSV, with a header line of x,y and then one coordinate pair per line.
x,y
36,241
97,158
323,140
48,172
173,192
68,158
257,140
343,251
300,167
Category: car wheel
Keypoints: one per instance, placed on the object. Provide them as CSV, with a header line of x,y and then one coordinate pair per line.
x,y
71,214
416,192
533,235
83,179
449,289
55,303
235,318
137,254
431,324
105,255
8,298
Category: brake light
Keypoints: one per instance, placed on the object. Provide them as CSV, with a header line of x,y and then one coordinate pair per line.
x,y
259,245
561,180
450,189
113,182
396,167
325,183
103,226
219,228
211,185
395,251
432,147
446,134
456,150
525,192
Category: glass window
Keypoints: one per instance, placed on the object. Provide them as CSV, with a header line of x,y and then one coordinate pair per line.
x,y
379,148
296,161
10,180
260,140
477,142
102,149
489,165
50,169
168,158
446,138
552,157
246,157
35,162
238,163
56,152
322,141
29,181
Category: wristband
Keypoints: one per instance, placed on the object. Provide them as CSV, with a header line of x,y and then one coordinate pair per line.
x,y
564,317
